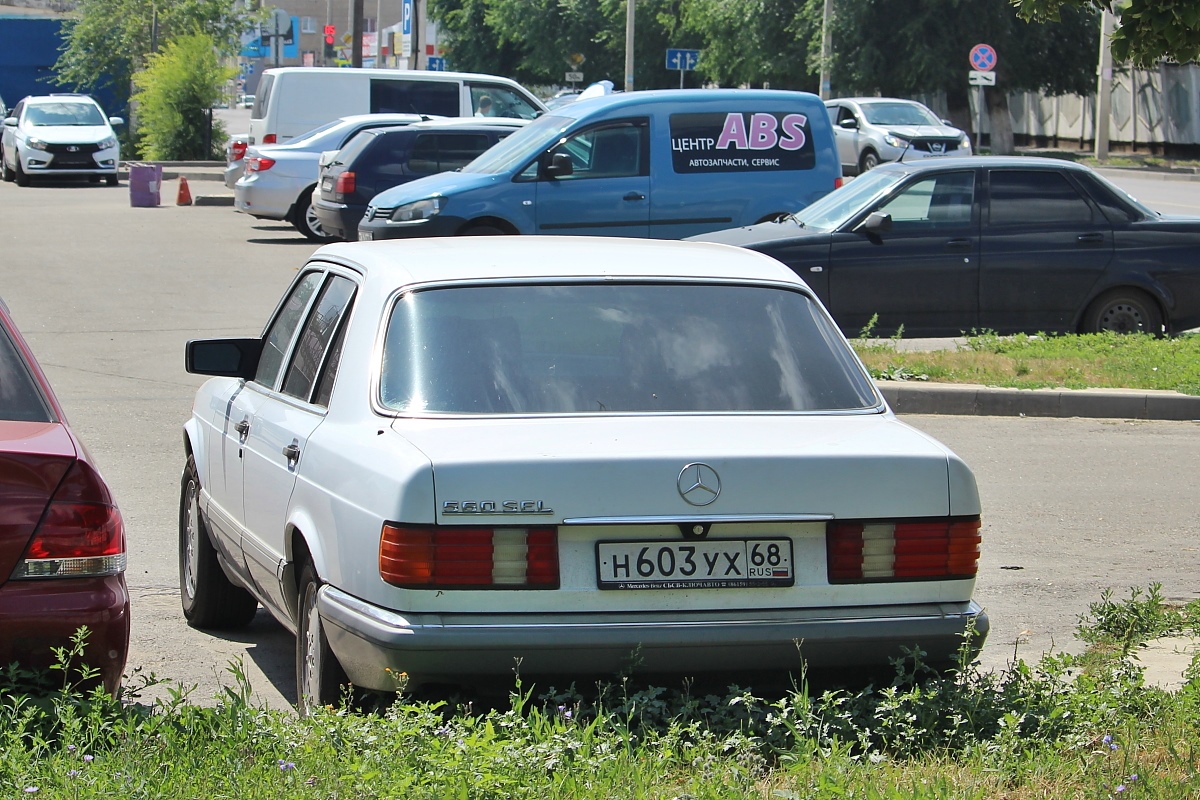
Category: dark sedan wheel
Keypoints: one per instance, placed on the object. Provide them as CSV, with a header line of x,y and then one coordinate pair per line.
x,y
210,599
869,160
1124,311
319,676
306,220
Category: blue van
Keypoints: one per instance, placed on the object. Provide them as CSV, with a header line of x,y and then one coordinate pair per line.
x,y
660,164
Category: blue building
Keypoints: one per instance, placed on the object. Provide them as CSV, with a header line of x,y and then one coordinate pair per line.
x,y
30,41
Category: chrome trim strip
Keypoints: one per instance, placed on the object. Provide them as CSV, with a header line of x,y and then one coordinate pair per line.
x,y
697,518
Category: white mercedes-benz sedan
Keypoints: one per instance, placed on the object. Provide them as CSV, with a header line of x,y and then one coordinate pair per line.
x,y
457,458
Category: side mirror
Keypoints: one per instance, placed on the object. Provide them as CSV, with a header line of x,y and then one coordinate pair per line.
x,y
850,124
225,358
10,122
948,122
560,166
877,222
116,120
326,158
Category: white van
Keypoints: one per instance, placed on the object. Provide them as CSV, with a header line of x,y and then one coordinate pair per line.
x,y
292,100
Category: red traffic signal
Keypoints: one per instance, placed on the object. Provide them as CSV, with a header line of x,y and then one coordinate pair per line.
x,y
330,32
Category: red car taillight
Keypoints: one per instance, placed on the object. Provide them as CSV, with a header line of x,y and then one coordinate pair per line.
x,y
431,557
860,552
345,183
839,182
80,535
259,164
269,139
237,150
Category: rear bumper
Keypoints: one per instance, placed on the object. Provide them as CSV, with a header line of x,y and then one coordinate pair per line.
x,y
38,615
368,640
338,219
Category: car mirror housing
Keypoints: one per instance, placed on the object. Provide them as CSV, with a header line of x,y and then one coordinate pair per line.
x,y
226,358
116,120
560,166
849,124
877,222
10,122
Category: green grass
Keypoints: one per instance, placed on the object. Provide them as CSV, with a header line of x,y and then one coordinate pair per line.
x,y
1066,727
1100,360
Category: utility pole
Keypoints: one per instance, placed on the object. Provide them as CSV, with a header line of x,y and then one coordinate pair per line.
x,y
356,32
1104,88
826,48
629,46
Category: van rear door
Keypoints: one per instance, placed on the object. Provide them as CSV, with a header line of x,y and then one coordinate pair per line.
x,y
608,190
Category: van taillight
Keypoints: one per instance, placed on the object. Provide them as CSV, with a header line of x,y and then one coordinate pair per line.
x,y
438,557
81,533
345,183
839,182
269,138
942,549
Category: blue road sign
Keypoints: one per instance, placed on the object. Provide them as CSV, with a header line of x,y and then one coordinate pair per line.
x,y
436,64
983,57
406,18
682,60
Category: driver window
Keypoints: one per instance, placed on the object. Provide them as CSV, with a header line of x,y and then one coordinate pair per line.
x,y
279,336
615,151
940,201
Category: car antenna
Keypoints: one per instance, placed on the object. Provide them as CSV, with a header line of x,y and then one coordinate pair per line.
x,y
907,144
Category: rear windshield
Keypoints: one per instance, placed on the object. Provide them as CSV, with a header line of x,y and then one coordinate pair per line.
x,y
603,348
20,397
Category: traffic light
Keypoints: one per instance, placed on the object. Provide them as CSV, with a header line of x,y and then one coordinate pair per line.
x,y
330,33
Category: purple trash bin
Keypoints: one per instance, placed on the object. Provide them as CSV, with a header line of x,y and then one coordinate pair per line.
x,y
145,181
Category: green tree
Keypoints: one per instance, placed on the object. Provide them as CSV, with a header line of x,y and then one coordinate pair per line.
x,y
174,94
756,41
106,42
473,45
1150,30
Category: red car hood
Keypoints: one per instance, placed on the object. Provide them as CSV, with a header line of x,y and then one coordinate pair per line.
x,y
34,457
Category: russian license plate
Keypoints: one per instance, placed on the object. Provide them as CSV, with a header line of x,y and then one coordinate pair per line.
x,y
364,236
695,564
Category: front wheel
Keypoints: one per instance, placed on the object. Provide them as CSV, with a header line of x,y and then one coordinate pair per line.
x,y
21,177
1124,311
483,230
6,172
319,676
210,599
868,161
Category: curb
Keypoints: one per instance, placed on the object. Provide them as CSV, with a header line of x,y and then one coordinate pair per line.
x,y
986,401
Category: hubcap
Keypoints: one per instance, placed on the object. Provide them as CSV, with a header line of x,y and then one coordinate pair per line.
x,y
314,222
191,540
312,653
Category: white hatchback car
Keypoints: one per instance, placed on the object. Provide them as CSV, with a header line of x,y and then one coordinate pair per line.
x,y
451,457
59,135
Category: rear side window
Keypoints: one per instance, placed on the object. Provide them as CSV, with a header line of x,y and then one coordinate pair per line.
x,y
415,97
20,397
1035,197
263,98
442,152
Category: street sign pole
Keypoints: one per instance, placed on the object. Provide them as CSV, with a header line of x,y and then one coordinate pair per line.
x,y
983,60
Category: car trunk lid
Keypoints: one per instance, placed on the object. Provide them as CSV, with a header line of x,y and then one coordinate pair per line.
x,y
34,457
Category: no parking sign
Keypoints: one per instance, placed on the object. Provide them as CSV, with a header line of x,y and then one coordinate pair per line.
x,y
983,57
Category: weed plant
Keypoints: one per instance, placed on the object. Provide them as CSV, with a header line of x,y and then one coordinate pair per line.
x,y
1074,361
1064,728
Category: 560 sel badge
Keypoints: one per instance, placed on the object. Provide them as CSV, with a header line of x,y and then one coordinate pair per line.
x,y
496,507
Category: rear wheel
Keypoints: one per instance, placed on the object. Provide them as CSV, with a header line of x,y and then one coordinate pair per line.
x,y
1124,311
319,676
306,221
210,599
869,160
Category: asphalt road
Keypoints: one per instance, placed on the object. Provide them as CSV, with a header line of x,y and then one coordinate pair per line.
x,y
108,294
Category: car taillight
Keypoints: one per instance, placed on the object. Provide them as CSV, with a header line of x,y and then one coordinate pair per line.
x,y
431,557
860,552
259,164
345,183
80,535
839,182
269,139
237,151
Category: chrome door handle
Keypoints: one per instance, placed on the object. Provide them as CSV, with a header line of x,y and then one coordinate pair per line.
x,y
292,452
243,428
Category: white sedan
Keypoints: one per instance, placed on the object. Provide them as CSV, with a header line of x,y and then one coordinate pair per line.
x,y
448,457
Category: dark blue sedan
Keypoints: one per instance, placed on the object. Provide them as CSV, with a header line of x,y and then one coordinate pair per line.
x,y
1006,244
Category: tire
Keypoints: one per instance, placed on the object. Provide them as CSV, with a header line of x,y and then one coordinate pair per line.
x,y
319,677
6,172
305,219
112,180
21,178
93,179
867,161
1124,311
210,600
483,230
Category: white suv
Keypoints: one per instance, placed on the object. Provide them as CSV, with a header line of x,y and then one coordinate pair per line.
x,y
870,131
59,135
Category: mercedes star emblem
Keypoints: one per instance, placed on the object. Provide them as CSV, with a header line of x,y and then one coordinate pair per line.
x,y
699,484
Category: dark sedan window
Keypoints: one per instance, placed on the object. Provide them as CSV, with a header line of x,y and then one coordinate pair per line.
x,y
940,201
20,398
442,152
595,349
1035,197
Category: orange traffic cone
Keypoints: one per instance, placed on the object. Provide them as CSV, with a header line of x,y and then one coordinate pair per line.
x,y
185,194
